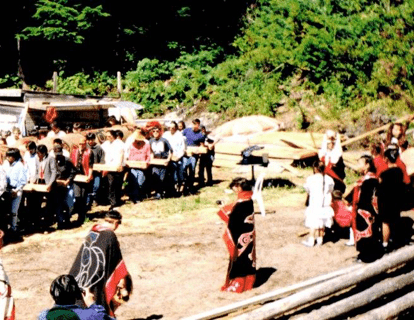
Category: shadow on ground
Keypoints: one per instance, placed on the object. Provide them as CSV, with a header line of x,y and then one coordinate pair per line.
x,y
262,275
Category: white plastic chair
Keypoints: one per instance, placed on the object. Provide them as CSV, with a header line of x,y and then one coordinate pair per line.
x,y
257,193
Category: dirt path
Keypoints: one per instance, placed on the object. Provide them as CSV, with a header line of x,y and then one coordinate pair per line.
x,y
178,264
175,254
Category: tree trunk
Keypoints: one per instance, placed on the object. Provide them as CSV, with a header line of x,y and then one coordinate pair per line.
x,y
19,65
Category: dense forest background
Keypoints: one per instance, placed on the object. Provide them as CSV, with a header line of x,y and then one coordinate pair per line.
x,y
235,57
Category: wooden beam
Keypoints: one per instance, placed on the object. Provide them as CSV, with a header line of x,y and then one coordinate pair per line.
x,y
273,295
390,310
12,104
360,299
312,294
369,133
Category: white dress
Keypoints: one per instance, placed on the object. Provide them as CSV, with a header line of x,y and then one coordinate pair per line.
x,y
319,212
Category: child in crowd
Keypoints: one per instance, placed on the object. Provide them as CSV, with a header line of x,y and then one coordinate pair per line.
x,y
342,214
319,212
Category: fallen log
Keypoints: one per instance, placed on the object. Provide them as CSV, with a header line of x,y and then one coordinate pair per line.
x,y
391,309
273,295
361,299
329,287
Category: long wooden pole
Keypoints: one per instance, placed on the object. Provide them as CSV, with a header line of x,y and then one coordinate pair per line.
x,y
390,310
55,80
369,133
362,298
329,287
270,296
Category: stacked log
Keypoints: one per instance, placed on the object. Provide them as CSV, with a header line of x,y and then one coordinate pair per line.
x,y
388,277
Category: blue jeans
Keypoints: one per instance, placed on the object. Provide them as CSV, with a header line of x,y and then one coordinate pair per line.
x,y
137,182
178,170
95,187
15,204
190,165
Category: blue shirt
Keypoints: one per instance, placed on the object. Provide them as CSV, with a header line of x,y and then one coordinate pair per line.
x,y
194,139
16,175
83,314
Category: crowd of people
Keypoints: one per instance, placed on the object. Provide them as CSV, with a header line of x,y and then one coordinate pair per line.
x,y
72,185
99,282
372,207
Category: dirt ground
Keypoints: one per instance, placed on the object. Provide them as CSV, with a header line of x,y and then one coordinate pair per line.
x,y
178,261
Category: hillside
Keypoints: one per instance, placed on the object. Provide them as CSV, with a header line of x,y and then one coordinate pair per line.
x,y
318,61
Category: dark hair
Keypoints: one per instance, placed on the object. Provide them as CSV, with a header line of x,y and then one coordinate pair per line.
x,y
57,149
31,145
174,124
376,149
242,183
401,139
182,122
42,149
77,125
337,194
392,153
112,118
58,141
370,161
318,166
115,215
54,124
196,121
90,136
65,290
119,134
128,284
13,152
113,133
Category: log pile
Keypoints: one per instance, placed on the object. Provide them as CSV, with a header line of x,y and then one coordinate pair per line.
x,y
379,290
277,149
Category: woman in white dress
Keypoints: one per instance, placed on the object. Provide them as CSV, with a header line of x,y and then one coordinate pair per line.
x,y
319,213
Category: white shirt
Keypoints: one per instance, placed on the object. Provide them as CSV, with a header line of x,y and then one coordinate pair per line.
x,y
177,142
320,189
11,141
31,164
52,134
128,143
115,154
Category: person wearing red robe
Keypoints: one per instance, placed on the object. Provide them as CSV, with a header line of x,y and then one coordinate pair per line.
x,y
239,238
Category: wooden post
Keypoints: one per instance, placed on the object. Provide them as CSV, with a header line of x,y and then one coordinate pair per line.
x,y
362,298
311,295
119,82
55,79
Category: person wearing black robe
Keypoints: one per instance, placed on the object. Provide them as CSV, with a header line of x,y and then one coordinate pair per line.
x,y
365,212
240,239
390,196
99,266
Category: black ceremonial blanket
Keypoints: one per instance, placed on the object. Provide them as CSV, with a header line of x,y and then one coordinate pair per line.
x,y
99,265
